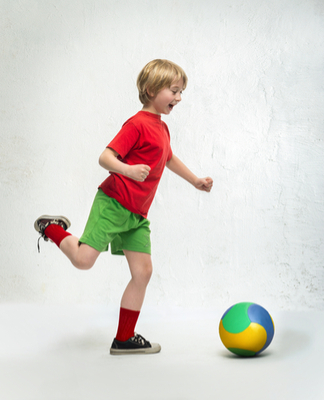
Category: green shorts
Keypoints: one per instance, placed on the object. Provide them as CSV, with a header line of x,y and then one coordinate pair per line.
x,y
110,222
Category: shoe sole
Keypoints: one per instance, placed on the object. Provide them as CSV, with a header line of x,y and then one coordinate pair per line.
x,y
57,217
156,348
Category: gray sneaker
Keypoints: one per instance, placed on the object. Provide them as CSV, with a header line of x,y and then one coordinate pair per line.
x,y
44,221
135,345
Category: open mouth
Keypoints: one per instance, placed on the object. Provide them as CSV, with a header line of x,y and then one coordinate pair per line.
x,y
170,107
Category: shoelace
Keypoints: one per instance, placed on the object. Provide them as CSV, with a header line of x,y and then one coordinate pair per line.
x,y
38,247
138,339
42,235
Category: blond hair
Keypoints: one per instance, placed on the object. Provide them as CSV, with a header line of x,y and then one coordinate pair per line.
x,y
157,75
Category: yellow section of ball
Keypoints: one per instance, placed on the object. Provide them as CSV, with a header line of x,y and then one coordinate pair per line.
x,y
253,338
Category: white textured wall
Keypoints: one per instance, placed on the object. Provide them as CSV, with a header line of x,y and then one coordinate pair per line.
x,y
251,117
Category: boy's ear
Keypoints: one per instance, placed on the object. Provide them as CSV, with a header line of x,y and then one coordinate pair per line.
x,y
150,93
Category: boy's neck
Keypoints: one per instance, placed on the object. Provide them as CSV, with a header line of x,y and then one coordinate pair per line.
x,y
150,109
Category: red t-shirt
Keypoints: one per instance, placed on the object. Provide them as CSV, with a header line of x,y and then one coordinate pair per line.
x,y
143,139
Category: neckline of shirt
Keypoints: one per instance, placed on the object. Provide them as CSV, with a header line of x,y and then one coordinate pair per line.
x,y
154,116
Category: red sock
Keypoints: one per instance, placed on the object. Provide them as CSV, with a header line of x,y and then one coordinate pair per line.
x,y
56,233
127,322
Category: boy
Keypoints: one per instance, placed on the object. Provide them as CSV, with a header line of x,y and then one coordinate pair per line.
x,y
135,158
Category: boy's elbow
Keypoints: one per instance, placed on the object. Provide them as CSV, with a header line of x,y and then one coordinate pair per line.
x,y
103,159
100,160
107,157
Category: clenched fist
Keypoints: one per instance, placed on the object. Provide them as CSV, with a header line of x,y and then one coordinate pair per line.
x,y
138,172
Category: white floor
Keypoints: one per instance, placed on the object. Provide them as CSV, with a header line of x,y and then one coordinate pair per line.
x,y
62,353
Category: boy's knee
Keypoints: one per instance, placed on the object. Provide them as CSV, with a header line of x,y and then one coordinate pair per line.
x,y
83,264
145,273
148,272
85,257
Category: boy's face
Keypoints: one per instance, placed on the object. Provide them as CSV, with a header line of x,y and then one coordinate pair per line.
x,y
166,99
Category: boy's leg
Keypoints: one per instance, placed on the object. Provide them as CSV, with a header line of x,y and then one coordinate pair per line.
x,y
127,341
81,256
54,228
140,265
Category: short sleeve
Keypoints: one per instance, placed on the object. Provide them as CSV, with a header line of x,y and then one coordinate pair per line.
x,y
125,140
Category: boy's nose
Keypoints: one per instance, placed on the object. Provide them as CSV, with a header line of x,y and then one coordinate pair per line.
x,y
178,97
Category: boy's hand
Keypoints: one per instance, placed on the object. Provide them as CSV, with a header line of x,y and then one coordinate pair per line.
x,y
109,160
138,172
204,184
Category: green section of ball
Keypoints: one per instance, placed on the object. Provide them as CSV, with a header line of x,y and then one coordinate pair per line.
x,y
236,319
242,353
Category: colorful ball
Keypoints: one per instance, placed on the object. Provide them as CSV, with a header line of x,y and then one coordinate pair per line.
x,y
246,329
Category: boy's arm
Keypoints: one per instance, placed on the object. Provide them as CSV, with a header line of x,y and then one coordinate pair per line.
x,y
178,167
109,161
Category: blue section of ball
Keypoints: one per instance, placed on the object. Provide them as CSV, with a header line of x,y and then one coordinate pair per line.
x,y
227,311
261,316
